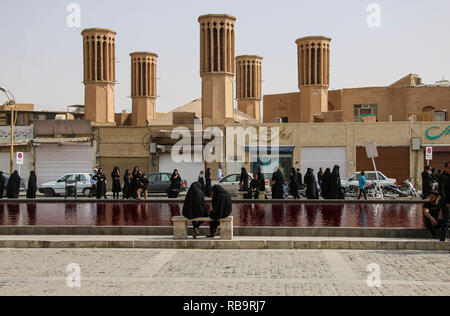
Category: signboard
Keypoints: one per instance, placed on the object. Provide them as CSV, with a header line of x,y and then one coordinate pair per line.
x,y
371,150
19,158
437,132
429,154
20,133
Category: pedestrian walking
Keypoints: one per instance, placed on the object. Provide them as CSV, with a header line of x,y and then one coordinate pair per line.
x,y
293,185
93,190
13,186
208,183
362,186
127,179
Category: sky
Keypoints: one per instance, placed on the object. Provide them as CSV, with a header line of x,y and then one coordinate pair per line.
x,y
41,56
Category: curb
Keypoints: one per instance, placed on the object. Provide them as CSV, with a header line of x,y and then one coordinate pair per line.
x,y
218,244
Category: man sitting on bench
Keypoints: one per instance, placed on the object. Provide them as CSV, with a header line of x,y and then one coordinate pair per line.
x,y
222,208
195,206
432,214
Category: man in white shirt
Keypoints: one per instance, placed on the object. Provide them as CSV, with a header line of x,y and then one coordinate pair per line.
x,y
219,173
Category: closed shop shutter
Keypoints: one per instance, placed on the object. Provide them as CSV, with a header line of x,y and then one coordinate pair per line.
x,y
393,162
324,157
53,162
188,170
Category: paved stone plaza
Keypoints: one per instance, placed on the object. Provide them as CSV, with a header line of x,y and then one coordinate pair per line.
x,y
222,272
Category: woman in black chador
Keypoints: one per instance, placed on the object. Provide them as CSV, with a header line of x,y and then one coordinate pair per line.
x,y
336,192
116,187
293,184
127,179
194,206
175,185
243,182
311,185
262,181
13,186
208,186
326,182
135,182
32,186
277,185
201,180
101,184
221,208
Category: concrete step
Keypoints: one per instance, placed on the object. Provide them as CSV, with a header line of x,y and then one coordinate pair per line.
x,y
164,242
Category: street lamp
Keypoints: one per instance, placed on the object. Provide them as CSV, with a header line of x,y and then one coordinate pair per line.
x,y
11,103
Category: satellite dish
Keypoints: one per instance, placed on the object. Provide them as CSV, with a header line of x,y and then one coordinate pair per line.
x,y
413,118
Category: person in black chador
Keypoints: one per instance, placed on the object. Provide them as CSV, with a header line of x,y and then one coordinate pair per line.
x,y
127,179
336,192
326,182
116,187
101,184
262,181
299,179
2,184
243,182
194,206
201,180
277,185
427,182
293,184
32,186
208,186
13,186
222,208
175,185
311,185
255,186
135,182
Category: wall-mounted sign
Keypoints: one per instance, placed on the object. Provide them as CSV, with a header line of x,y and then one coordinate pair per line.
x,y
371,150
435,132
429,153
20,133
19,158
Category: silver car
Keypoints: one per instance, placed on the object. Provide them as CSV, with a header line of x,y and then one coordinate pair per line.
x,y
371,177
58,187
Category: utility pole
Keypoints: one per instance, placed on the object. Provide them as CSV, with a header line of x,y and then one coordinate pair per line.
x,y
11,103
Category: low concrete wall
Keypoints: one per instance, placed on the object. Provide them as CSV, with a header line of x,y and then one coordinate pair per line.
x,y
408,233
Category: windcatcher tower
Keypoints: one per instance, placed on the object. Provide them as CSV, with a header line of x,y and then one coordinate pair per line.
x,y
143,87
217,67
313,75
99,46
249,85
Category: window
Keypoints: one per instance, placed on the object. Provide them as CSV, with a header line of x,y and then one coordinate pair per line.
x,y
280,120
68,177
440,116
152,178
365,110
80,178
232,178
165,178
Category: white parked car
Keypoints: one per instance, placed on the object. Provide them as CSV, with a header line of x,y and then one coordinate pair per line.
x,y
231,183
58,187
371,178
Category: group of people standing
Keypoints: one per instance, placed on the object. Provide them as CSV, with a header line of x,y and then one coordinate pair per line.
x,y
13,185
135,184
327,184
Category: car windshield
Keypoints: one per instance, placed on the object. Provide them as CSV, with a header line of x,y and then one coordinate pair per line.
x,y
66,177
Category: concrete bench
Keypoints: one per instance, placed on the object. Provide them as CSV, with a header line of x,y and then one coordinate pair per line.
x,y
180,227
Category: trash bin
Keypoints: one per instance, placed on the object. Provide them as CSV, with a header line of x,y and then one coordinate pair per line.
x,y
71,189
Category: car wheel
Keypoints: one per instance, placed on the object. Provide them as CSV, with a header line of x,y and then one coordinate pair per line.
x,y
86,192
49,193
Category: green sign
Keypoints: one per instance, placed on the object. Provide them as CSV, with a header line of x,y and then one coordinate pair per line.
x,y
445,132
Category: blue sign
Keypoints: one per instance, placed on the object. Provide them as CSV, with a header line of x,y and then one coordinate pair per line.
x,y
434,137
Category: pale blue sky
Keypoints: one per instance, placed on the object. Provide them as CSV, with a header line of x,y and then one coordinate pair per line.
x,y
41,58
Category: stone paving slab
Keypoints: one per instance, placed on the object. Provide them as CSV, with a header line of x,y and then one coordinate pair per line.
x,y
164,242
223,272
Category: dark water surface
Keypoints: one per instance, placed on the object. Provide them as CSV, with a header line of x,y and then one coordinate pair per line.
x,y
264,214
